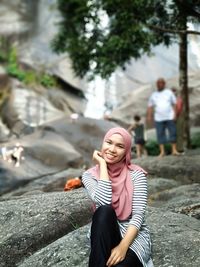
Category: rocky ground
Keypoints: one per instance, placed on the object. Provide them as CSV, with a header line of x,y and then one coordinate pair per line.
x,y
41,225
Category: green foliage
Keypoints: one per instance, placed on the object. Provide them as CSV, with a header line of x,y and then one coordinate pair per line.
x,y
47,80
12,67
195,140
3,49
27,77
98,48
152,148
2,56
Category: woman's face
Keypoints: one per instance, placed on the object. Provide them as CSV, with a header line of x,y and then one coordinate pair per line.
x,y
113,149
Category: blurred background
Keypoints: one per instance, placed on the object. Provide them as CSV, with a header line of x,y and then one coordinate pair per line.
x,y
69,71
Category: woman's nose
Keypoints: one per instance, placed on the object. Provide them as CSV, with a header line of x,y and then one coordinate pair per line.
x,y
112,148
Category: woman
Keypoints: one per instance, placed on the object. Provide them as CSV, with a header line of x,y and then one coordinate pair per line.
x,y
119,236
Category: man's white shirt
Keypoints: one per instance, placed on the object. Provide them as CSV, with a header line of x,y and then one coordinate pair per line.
x,y
162,102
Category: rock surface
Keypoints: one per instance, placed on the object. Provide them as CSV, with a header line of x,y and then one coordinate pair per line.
x,y
176,242
184,168
29,223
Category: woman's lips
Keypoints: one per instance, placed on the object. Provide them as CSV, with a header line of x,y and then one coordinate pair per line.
x,y
110,156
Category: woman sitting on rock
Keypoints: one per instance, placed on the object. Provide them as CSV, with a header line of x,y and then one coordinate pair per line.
x,y
119,235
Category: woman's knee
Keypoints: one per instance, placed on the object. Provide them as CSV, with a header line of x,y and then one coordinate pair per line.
x,y
104,213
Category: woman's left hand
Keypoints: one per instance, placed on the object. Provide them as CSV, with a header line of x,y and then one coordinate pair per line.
x,y
117,255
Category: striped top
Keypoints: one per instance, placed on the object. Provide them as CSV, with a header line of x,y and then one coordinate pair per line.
x,y
100,191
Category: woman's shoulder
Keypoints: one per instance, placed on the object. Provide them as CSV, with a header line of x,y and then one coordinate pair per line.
x,y
138,174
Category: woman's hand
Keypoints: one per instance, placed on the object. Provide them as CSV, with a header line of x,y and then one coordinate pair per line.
x,y
117,255
97,157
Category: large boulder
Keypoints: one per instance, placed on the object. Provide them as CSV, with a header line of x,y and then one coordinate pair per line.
x,y
27,224
184,199
176,242
47,183
85,134
14,19
45,153
158,184
184,168
27,109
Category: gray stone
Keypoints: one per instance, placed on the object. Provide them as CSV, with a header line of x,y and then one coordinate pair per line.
x,y
156,185
47,183
72,250
85,134
175,237
185,168
45,153
183,199
30,223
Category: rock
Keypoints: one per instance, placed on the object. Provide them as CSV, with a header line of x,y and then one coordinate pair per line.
x,y
175,237
4,83
27,224
28,109
179,168
192,210
72,250
14,19
45,153
156,185
47,183
85,134
185,197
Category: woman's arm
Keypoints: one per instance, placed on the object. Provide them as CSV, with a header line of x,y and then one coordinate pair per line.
x,y
118,254
139,202
99,190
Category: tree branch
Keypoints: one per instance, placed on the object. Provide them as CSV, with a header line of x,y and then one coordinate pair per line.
x,y
157,28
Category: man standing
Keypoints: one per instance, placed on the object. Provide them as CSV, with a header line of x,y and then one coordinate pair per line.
x,y
162,104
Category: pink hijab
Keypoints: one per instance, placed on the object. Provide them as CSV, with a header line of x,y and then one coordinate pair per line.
x,y
119,173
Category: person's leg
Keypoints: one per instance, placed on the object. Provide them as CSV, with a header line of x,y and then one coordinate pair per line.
x,y
130,260
105,235
162,150
171,126
161,136
138,150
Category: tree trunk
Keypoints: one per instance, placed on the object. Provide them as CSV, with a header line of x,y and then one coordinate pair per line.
x,y
183,82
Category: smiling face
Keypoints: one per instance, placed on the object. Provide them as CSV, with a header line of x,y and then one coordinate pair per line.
x,y
113,149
